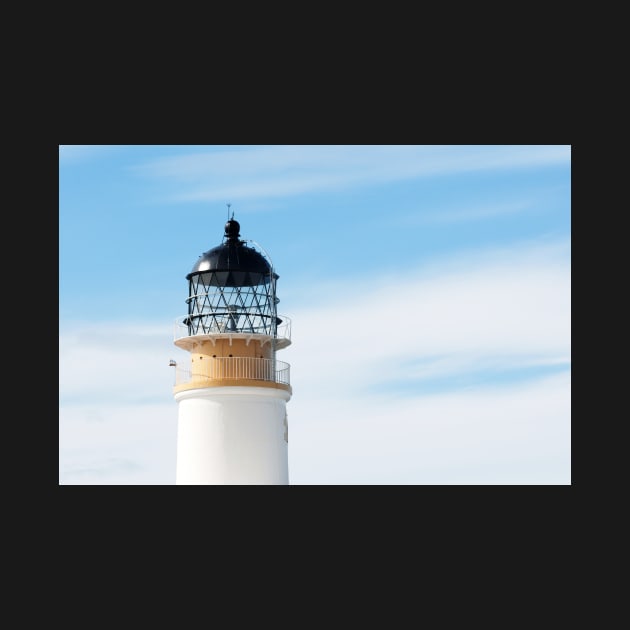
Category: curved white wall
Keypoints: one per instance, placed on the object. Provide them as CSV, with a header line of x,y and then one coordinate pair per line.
x,y
232,435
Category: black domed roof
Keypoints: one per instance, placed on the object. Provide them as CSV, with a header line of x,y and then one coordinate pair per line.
x,y
246,265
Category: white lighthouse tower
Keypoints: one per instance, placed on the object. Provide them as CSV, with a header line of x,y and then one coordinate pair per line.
x,y
232,420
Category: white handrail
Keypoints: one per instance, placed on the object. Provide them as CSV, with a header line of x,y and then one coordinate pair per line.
x,y
248,368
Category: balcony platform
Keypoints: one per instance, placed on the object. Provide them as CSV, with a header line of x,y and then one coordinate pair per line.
x,y
183,339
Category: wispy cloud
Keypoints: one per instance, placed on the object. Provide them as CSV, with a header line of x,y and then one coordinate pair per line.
x,y
535,203
74,153
470,213
509,308
280,171
99,362
519,434
130,444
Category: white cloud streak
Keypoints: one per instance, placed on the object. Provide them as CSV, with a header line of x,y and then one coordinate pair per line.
x,y
501,309
101,362
280,171
112,444
520,434
73,153
470,214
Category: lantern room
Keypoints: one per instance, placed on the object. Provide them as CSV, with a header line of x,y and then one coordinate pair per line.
x,y
232,289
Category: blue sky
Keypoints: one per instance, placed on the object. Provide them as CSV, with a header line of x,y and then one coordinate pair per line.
x,y
429,289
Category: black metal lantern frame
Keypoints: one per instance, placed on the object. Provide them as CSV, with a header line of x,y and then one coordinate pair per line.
x,y
228,301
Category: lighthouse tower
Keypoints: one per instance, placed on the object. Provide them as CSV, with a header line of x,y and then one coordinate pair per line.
x,y
232,396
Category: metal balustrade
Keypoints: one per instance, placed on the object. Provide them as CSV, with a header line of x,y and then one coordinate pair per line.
x,y
232,368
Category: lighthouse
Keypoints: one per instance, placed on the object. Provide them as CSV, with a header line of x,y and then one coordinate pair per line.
x,y
232,421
